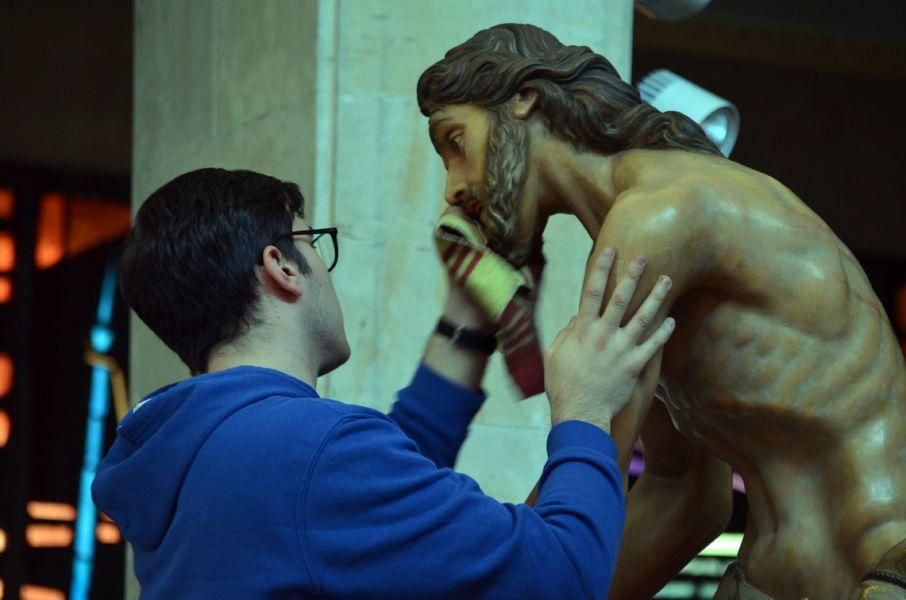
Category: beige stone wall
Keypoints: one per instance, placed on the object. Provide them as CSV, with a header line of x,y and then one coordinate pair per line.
x,y
323,93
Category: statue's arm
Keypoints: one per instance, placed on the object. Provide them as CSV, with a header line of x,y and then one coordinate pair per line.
x,y
684,498
681,502
647,226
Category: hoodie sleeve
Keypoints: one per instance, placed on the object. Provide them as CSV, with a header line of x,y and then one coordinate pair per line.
x,y
380,520
435,413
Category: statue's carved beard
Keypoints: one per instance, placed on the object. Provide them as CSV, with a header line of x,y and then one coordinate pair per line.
x,y
506,166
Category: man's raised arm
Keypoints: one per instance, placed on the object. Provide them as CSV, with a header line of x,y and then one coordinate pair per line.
x,y
436,408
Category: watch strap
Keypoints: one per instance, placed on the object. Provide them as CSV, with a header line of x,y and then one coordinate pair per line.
x,y
469,339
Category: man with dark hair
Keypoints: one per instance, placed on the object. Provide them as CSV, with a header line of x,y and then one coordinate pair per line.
x,y
241,482
216,247
766,297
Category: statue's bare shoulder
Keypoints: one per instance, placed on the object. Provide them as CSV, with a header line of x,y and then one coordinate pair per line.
x,y
663,223
750,239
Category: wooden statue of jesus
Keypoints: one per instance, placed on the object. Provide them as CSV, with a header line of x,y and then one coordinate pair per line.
x,y
783,365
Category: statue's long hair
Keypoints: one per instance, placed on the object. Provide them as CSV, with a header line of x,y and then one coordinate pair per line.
x,y
580,95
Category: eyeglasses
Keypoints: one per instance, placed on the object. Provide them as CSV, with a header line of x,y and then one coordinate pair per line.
x,y
329,252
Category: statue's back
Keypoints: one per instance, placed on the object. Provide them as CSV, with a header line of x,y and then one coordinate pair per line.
x,y
785,365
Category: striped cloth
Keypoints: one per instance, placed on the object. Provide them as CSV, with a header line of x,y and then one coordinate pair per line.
x,y
506,294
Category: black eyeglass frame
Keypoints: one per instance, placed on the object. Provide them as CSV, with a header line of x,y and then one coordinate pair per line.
x,y
316,235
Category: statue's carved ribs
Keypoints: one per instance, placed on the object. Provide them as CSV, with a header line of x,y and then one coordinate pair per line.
x,y
744,359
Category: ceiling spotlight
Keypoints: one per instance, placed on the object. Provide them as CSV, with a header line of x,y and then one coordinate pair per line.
x,y
718,117
670,10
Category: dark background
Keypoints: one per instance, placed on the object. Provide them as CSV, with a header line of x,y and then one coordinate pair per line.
x,y
66,128
820,85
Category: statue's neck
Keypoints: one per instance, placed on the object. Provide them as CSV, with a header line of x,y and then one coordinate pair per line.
x,y
584,184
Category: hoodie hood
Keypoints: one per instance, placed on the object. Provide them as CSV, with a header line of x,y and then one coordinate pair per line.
x,y
138,483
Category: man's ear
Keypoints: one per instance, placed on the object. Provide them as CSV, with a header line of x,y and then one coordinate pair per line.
x,y
524,102
280,275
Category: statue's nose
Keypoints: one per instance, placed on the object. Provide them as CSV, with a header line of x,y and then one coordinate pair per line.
x,y
455,194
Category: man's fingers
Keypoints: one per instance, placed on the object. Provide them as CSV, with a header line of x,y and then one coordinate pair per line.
x,y
593,292
647,313
622,296
657,340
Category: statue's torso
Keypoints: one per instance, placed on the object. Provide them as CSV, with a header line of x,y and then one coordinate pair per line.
x,y
785,365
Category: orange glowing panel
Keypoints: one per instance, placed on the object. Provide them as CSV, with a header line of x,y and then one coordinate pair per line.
x,y
6,290
6,374
2,544
5,427
37,592
7,252
69,228
51,511
48,536
94,222
108,533
7,206
50,246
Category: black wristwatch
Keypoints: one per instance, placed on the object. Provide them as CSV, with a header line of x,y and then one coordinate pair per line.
x,y
469,339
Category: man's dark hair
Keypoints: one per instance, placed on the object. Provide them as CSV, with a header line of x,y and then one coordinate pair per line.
x,y
581,96
188,266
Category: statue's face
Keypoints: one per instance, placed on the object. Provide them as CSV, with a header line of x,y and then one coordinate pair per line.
x,y
486,157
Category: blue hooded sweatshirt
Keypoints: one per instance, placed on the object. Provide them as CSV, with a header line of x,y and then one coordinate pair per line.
x,y
246,484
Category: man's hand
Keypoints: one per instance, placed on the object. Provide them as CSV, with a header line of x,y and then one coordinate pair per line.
x,y
465,367
593,365
462,309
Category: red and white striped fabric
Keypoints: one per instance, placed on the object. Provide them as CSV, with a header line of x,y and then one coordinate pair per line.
x,y
508,295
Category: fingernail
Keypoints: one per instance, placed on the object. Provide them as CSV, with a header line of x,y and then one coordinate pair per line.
x,y
671,322
665,282
608,252
640,261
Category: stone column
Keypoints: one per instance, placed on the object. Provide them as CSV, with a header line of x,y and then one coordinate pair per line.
x,y
322,92
218,83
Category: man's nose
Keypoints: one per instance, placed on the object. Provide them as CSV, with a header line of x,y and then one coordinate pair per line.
x,y
455,194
